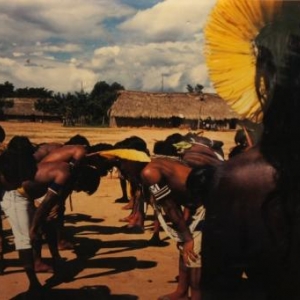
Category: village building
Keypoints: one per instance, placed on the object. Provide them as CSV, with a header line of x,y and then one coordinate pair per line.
x,y
24,110
168,110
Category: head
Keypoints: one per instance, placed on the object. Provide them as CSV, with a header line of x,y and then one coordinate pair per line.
x,y
86,179
277,79
78,140
2,134
102,164
277,84
17,163
165,148
133,142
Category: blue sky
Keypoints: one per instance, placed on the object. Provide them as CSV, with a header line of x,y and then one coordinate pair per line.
x,y
63,45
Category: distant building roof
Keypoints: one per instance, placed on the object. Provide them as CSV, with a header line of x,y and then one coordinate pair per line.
x,y
135,104
24,107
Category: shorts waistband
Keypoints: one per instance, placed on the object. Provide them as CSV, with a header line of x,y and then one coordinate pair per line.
x,y
22,192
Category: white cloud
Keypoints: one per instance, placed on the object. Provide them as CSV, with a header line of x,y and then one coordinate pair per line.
x,y
170,20
59,44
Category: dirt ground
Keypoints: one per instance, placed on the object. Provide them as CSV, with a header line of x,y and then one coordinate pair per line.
x,y
107,262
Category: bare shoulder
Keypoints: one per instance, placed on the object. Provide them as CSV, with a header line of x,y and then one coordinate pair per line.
x,y
152,173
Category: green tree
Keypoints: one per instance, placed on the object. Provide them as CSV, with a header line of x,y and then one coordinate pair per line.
x,y
81,107
189,88
199,89
6,90
33,93
102,97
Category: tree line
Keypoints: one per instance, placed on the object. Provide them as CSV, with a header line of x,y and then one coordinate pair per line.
x,y
78,107
72,108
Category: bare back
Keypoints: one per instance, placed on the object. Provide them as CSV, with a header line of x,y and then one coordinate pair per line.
x,y
172,172
66,153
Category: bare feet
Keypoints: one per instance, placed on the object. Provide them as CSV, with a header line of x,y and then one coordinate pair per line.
x,y
128,206
174,296
136,220
127,219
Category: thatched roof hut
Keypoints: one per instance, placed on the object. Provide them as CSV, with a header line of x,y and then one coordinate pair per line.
x,y
133,108
23,109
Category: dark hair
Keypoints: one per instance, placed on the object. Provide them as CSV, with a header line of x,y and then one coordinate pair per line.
x,y
164,148
278,88
2,134
17,163
102,164
133,142
21,143
78,140
86,179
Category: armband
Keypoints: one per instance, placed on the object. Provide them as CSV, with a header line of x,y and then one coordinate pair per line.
x,y
159,192
55,187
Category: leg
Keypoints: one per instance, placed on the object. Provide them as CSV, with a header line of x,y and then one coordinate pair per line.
x,y
1,245
195,278
50,229
26,258
63,243
138,214
19,211
155,239
181,292
124,198
39,265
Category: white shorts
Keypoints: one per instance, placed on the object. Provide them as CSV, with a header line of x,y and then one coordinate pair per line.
x,y
197,237
19,211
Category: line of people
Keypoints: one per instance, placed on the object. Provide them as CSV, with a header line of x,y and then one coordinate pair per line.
x,y
50,172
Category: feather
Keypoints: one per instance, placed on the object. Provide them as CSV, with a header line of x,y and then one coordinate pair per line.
x,y
230,52
129,154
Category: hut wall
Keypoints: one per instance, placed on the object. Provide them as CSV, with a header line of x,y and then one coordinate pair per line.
x,y
140,122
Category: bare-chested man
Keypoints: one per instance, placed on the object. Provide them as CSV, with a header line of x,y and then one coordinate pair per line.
x,y
166,180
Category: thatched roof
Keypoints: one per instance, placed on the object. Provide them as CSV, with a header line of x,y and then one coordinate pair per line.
x,y
23,107
134,104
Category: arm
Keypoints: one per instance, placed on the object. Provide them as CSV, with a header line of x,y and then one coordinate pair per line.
x,y
58,176
176,216
49,201
162,194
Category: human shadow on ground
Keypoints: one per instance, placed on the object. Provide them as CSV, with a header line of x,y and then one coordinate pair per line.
x,y
99,292
86,250
77,217
87,229
102,266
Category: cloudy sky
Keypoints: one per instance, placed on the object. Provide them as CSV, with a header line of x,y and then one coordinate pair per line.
x,y
64,45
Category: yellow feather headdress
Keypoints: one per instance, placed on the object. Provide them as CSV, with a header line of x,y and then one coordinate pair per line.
x,y
230,51
129,154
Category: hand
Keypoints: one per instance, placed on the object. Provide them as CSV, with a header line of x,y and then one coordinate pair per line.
x,y
188,252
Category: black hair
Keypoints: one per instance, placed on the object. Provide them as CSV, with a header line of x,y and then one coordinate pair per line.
x,y
17,163
2,134
278,87
78,140
133,142
164,148
102,164
86,179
